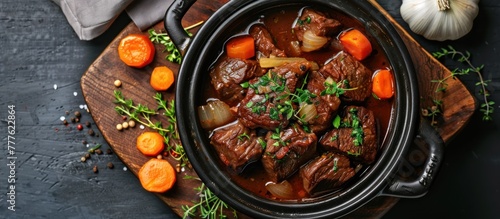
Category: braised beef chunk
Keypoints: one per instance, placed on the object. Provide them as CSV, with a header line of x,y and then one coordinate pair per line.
x,y
264,41
326,173
318,23
356,136
350,73
326,104
286,151
237,145
229,73
267,102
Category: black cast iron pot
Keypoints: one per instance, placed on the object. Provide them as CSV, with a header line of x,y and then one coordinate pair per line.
x,y
380,179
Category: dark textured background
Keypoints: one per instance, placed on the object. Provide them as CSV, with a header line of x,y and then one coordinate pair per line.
x,y
39,50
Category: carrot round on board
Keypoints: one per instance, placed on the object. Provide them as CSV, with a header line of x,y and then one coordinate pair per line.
x,y
356,44
136,50
150,143
157,175
242,47
383,84
162,78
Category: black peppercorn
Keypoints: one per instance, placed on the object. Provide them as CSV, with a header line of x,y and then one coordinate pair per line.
x,y
98,151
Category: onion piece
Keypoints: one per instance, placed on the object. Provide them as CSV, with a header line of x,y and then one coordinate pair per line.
x,y
277,61
307,112
312,42
329,80
280,190
216,113
295,48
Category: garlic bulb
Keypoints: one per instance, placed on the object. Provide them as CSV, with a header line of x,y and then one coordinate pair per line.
x,y
440,19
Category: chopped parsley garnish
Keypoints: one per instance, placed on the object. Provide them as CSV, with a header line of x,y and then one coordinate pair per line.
x,y
357,128
334,88
306,20
335,164
242,136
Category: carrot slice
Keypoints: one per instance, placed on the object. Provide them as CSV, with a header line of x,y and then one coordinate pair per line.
x,y
383,84
136,50
150,143
162,78
242,47
157,175
356,44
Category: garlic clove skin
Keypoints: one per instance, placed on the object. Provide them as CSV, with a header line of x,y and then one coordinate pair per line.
x,y
425,18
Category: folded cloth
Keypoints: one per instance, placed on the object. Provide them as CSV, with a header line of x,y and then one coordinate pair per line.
x,y
147,13
91,18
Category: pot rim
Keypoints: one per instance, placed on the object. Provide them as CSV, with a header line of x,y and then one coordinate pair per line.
x,y
401,130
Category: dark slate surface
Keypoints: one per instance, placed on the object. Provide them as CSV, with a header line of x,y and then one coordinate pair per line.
x,y
40,50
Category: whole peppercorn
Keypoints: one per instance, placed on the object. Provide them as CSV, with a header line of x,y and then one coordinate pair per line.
x,y
79,127
87,123
91,132
110,165
108,151
119,127
83,159
94,169
78,114
98,151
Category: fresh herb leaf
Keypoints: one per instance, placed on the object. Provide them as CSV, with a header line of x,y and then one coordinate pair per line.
x,y
336,122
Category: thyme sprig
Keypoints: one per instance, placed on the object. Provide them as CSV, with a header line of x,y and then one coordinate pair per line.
x,y
171,137
142,114
464,57
208,206
162,38
139,113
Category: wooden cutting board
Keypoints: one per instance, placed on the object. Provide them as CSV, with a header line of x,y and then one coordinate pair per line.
x,y
98,88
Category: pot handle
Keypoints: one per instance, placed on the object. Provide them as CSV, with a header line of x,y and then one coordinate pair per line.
x,y
173,25
427,145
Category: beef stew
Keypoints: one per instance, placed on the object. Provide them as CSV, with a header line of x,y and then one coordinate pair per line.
x,y
310,120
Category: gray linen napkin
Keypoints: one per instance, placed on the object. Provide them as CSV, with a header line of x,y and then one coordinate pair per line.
x,y
91,18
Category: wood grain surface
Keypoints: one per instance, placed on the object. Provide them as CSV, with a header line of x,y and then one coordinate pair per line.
x,y
97,86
